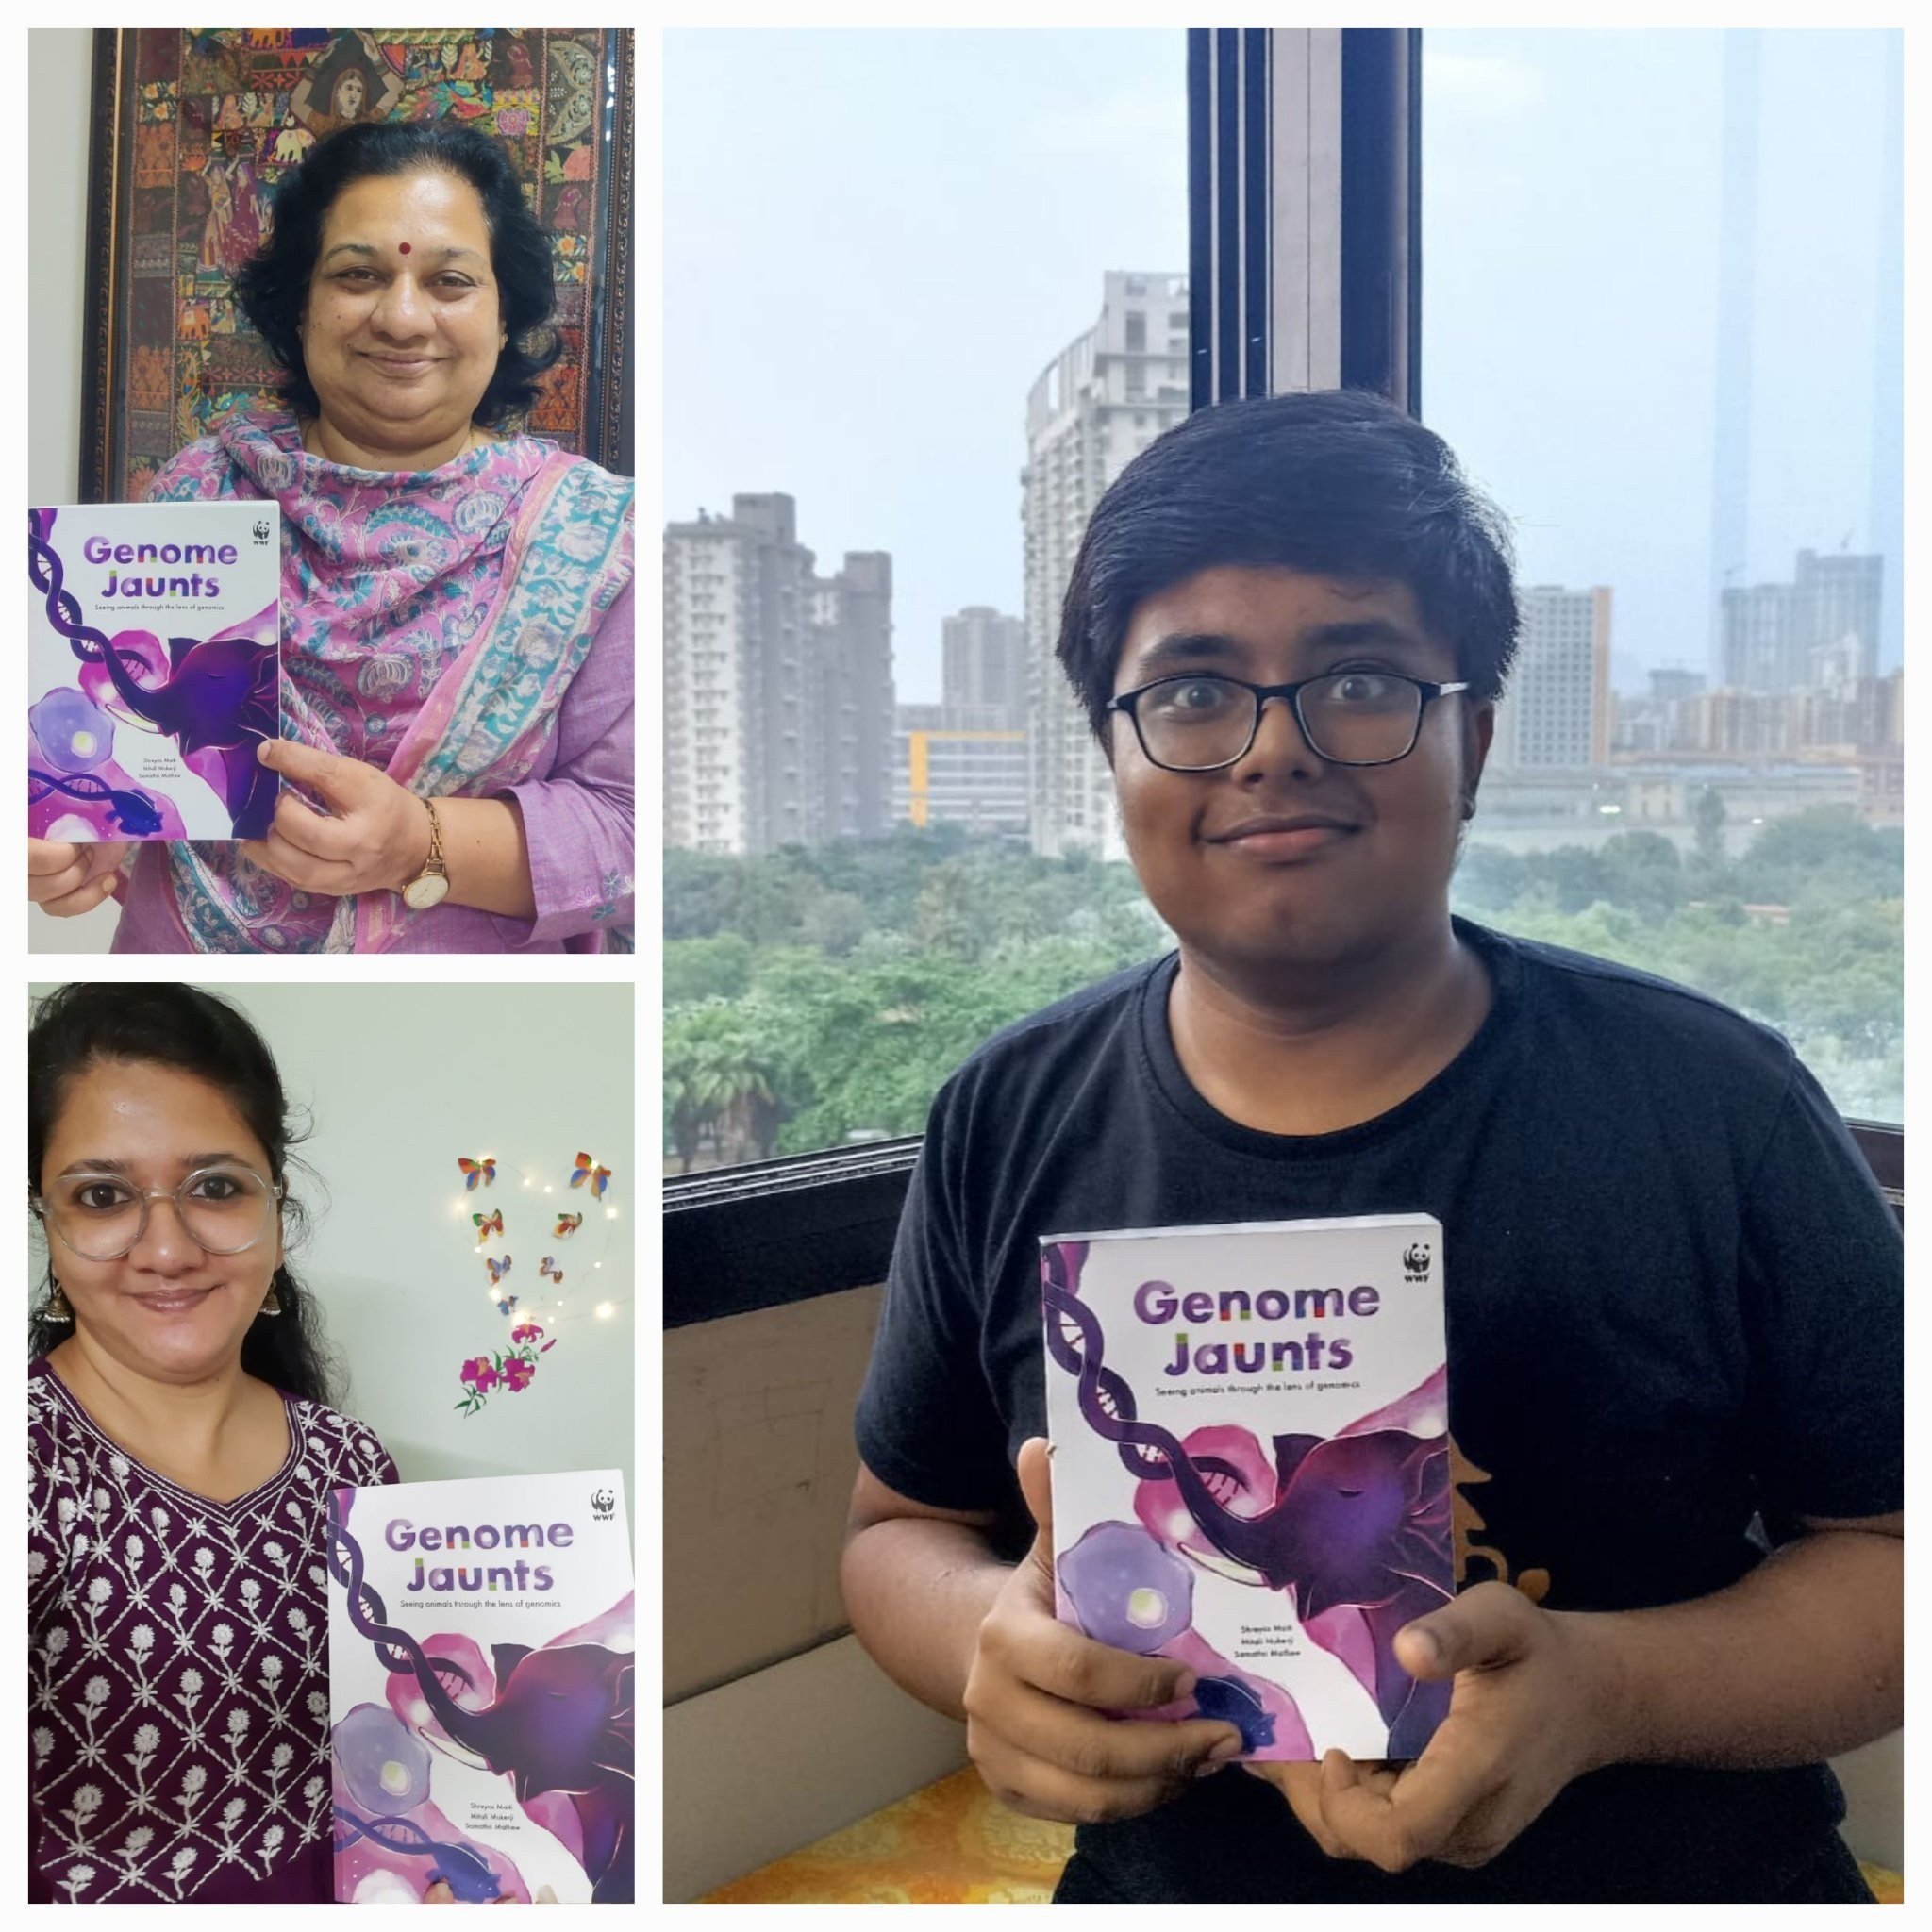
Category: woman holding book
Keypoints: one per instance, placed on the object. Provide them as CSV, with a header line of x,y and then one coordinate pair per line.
x,y
456,695
181,1448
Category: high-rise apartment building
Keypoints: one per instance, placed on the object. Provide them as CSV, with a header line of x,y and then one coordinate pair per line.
x,y
1840,597
849,719
984,670
778,685
1772,632
1103,399
1557,712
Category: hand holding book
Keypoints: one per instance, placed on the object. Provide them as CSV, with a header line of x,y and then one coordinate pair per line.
x,y
374,836
1524,1719
66,879
371,834
1039,1697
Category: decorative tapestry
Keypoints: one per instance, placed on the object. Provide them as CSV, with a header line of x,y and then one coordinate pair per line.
x,y
192,130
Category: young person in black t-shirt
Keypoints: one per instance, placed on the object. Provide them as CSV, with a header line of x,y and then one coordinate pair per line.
x,y
1674,1290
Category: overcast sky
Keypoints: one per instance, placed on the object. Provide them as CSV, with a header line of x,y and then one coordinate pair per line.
x,y
873,242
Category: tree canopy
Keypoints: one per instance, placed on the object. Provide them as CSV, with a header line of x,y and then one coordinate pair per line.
x,y
819,996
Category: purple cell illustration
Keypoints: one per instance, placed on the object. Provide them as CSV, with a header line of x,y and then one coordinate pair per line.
x,y
1125,1589
384,1764
72,734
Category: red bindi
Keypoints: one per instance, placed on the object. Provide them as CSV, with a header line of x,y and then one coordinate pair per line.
x,y
402,248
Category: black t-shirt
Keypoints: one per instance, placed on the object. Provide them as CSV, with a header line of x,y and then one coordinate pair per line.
x,y
1675,1308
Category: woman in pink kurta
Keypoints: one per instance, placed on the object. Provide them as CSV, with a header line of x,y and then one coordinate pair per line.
x,y
456,754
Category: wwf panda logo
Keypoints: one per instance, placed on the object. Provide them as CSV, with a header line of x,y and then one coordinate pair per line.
x,y
603,1505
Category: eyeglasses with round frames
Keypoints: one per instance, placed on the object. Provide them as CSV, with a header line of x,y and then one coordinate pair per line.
x,y
101,1217
1203,722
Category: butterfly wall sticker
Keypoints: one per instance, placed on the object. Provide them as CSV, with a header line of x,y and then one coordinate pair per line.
x,y
510,1367
599,1177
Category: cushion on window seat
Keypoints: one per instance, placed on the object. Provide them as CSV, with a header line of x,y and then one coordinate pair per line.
x,y
952,1844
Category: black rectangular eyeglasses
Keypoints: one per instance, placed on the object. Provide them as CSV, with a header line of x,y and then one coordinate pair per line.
x,y
1201,722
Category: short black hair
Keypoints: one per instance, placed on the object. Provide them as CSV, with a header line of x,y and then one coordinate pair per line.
x,y
272,285
1339,481
165,1024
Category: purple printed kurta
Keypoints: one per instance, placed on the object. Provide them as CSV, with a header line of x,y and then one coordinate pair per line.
x,y
178,1666
390,582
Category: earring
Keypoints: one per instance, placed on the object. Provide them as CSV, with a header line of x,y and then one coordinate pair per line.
x,y
273,1305
57,1308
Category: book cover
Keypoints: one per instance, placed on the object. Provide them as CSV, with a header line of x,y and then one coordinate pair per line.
x,y
1251,1466
154,641
482,1690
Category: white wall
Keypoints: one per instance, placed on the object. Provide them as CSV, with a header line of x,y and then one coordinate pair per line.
x,y
60,70
59,66
401,1080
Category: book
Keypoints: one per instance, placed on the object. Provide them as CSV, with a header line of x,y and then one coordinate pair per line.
x,y
1251,1466
154,640
482,1690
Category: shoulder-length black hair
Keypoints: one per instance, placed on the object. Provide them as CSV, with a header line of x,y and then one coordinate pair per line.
x,y
168,1024
1336,481
272,285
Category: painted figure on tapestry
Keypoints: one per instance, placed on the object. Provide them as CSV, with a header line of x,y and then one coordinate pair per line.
x,y
352,81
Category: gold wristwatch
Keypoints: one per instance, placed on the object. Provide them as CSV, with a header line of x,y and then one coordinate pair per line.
x,y
430,887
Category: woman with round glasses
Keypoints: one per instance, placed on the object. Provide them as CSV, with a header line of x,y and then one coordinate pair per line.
x,y
180,1450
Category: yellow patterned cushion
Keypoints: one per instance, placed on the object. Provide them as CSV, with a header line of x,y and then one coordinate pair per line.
x,y
948,1844
952,1844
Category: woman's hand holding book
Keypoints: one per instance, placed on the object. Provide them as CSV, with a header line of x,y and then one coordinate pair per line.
x,y
375,836
67,879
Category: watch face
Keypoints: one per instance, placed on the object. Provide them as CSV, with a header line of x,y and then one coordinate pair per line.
x,y
432,889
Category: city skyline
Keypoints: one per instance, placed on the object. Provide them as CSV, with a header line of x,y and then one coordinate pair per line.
x,y
1101,175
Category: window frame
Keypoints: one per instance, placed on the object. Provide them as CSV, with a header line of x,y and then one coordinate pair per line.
x,y
1303,159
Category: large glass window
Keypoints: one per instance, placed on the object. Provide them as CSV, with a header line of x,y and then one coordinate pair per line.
x,y
926,296
1661,323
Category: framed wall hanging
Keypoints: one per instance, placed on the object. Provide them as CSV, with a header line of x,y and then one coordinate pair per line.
x,y
192,130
